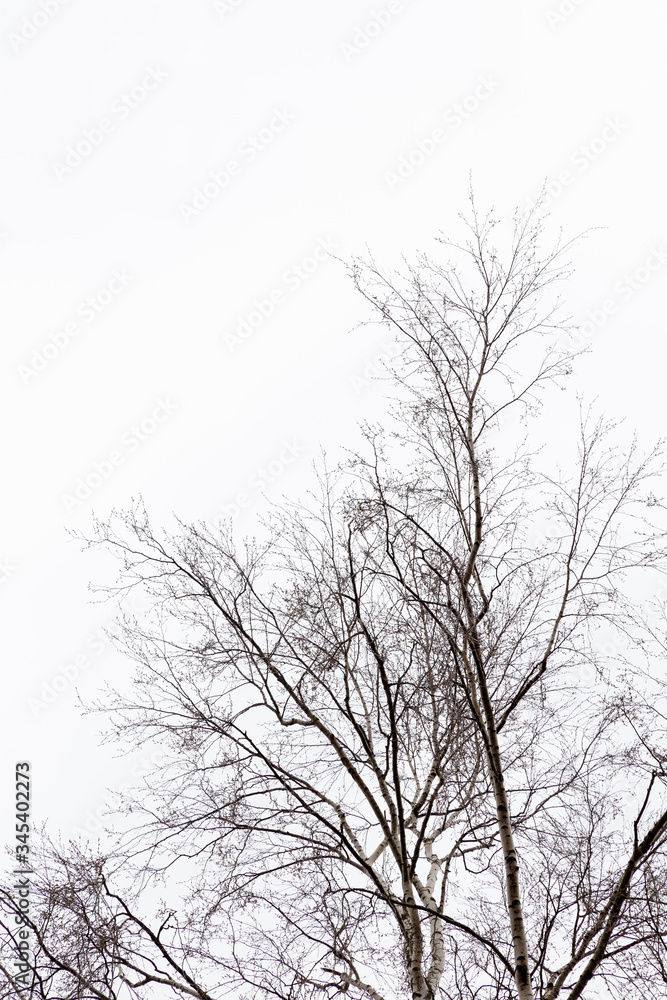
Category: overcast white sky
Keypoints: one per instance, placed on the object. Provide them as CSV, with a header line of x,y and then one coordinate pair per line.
x,y
128,272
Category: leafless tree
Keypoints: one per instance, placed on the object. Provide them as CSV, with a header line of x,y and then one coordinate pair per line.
x,y
389,774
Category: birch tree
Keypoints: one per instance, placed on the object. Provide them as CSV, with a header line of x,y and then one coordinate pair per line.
x,y
415,730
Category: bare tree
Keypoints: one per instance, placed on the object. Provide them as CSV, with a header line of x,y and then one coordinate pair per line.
x,y
386,776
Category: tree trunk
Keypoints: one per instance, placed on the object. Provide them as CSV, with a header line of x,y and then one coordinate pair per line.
x,y
519,943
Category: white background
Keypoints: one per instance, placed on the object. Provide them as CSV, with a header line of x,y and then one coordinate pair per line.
x,y
361,90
